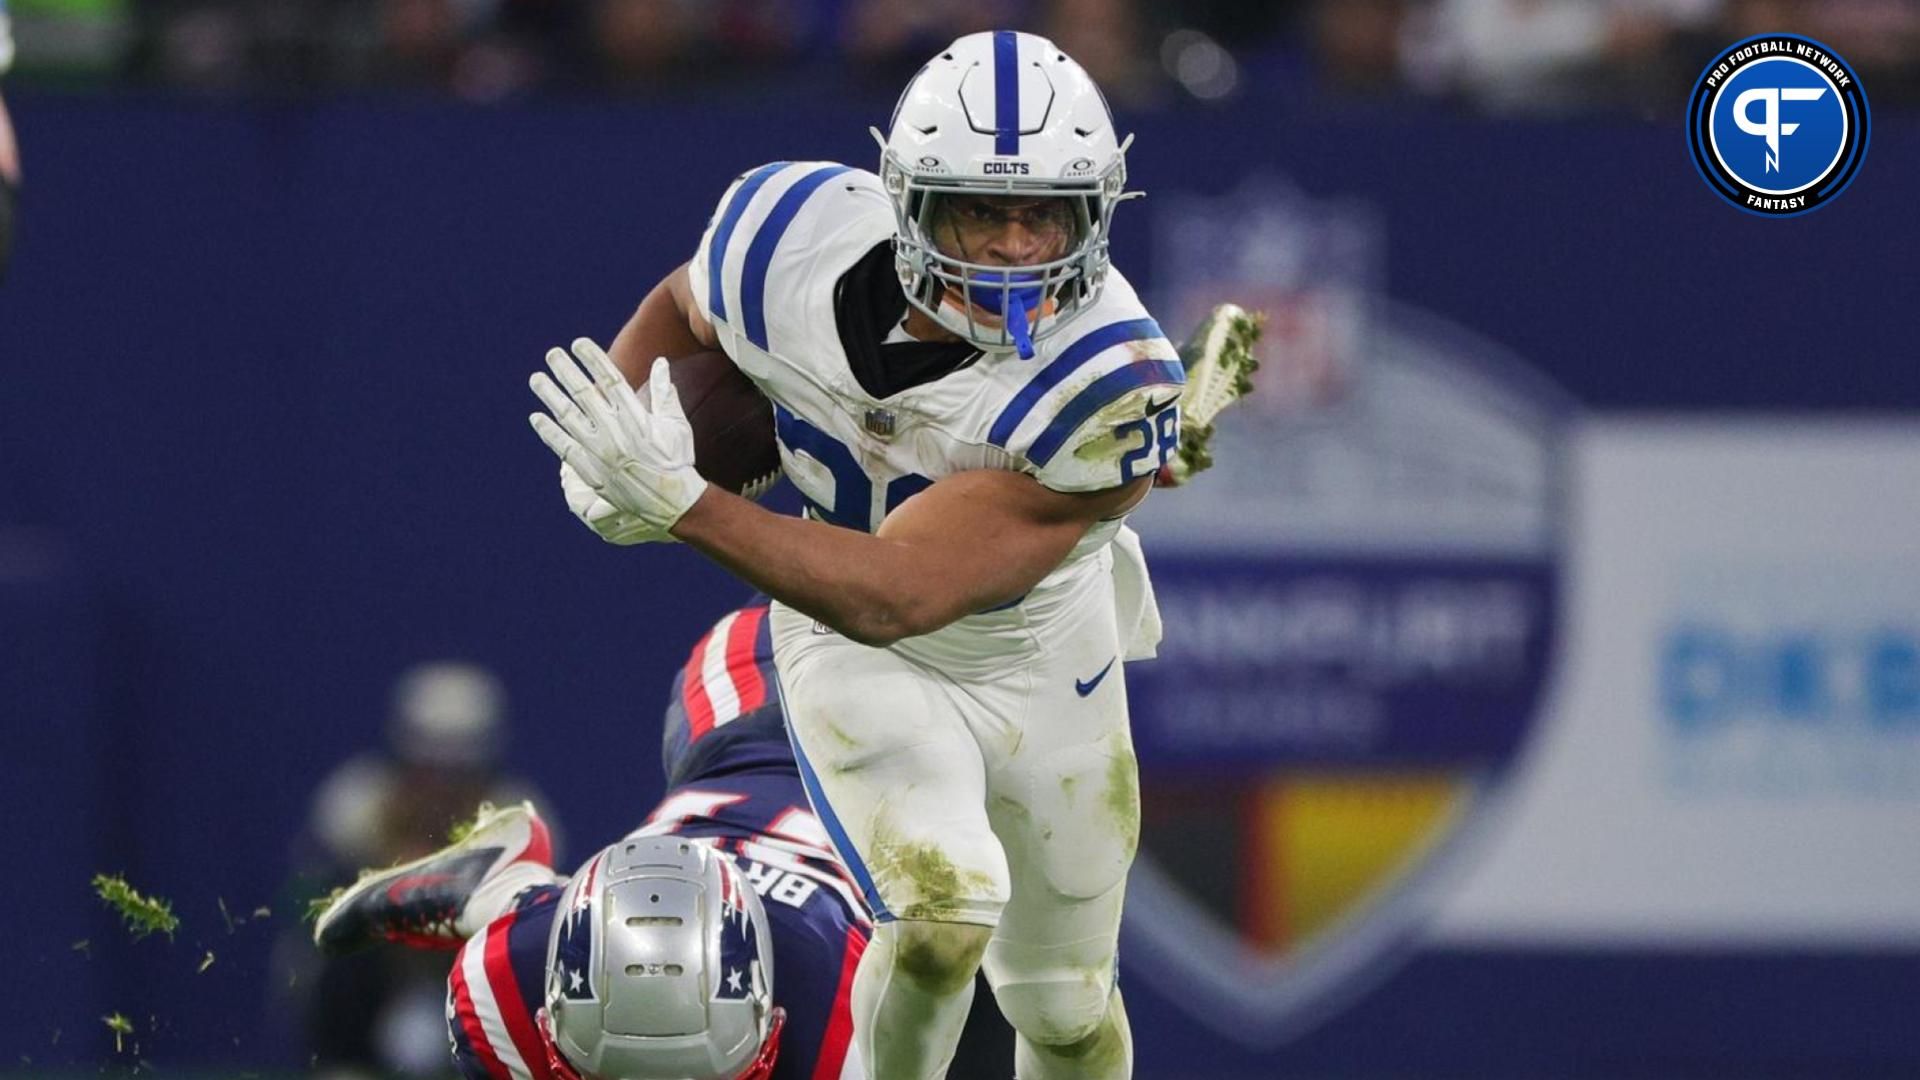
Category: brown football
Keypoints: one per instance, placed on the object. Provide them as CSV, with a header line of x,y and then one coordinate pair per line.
x,y
733,440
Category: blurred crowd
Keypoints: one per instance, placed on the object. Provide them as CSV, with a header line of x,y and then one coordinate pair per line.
x,y
1506,56
381,1013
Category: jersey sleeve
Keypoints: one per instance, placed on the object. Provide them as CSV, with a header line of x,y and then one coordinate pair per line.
x,y
496,990
778,243
1119,442
706,274
723,712
1103,411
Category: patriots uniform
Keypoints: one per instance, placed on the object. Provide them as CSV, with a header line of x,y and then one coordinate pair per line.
x,y
732,784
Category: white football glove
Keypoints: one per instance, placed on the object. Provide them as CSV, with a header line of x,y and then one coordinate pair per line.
x,y
639,459
608,521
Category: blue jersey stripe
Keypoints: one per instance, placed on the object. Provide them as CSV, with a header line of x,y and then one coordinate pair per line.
x,y
1105,390
527,944
763,655
1068,362
835,831
1006,92
753,276
717,252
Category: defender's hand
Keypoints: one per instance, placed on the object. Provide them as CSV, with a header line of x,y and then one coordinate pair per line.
x,y
608,521
639,459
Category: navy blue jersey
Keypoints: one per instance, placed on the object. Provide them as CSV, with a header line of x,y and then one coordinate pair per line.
x,y
734,784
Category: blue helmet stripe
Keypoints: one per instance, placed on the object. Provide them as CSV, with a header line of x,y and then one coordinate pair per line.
x,y
1105,390
1069,361
717,251
753,276
835,831
1006,92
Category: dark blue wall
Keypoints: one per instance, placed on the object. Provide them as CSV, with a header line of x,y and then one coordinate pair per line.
x,y
262,393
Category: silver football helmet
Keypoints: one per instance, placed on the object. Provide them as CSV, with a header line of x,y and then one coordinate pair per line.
x,y
1002,113
660,967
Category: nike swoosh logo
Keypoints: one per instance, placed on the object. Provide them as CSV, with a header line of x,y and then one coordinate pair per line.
x,y
1085,688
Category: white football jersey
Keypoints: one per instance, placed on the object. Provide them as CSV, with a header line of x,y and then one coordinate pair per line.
x,y
1093,409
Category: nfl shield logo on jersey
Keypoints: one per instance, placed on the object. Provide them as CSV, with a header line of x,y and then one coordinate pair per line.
x,y
1360,604
880,423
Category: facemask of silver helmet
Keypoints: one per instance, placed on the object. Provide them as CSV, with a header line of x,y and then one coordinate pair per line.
x,y
1006,116
660,967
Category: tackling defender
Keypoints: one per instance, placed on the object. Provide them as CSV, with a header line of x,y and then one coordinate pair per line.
x,y
717,941
970,399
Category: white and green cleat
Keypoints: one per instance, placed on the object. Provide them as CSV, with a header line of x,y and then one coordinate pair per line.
x,y
1220,365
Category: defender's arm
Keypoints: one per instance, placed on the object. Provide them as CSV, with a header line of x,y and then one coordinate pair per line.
x,y
970,542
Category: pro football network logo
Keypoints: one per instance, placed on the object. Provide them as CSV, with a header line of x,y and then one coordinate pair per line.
x,y
1778,125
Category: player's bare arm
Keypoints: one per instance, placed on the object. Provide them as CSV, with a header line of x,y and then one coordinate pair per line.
x,y
667,323
974,540
970,542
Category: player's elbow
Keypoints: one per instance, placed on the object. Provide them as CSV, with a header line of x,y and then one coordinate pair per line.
x,y
884,625
884,621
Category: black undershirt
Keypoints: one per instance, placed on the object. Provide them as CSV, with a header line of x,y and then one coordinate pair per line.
x,y
867,305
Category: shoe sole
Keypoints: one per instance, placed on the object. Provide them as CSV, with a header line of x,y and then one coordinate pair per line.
x,y
1220,364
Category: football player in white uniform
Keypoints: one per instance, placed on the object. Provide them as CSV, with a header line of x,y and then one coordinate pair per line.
x,y
970,399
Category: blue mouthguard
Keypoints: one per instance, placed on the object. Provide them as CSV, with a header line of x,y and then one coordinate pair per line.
x,y
1020,304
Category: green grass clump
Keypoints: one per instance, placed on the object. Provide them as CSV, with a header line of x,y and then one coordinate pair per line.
x,y
121,1028
143,915
460,830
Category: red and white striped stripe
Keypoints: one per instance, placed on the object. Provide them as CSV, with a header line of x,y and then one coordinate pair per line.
x,y
490,1009
723,680
839,1058
466,1012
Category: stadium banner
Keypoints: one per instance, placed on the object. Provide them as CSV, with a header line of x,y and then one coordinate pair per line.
x,y
1732,750
1664,776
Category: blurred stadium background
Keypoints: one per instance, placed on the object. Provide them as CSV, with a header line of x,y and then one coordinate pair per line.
x,y
1541,695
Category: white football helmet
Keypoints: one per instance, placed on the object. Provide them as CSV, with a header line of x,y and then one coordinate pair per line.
x,y
660,967
1002,113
